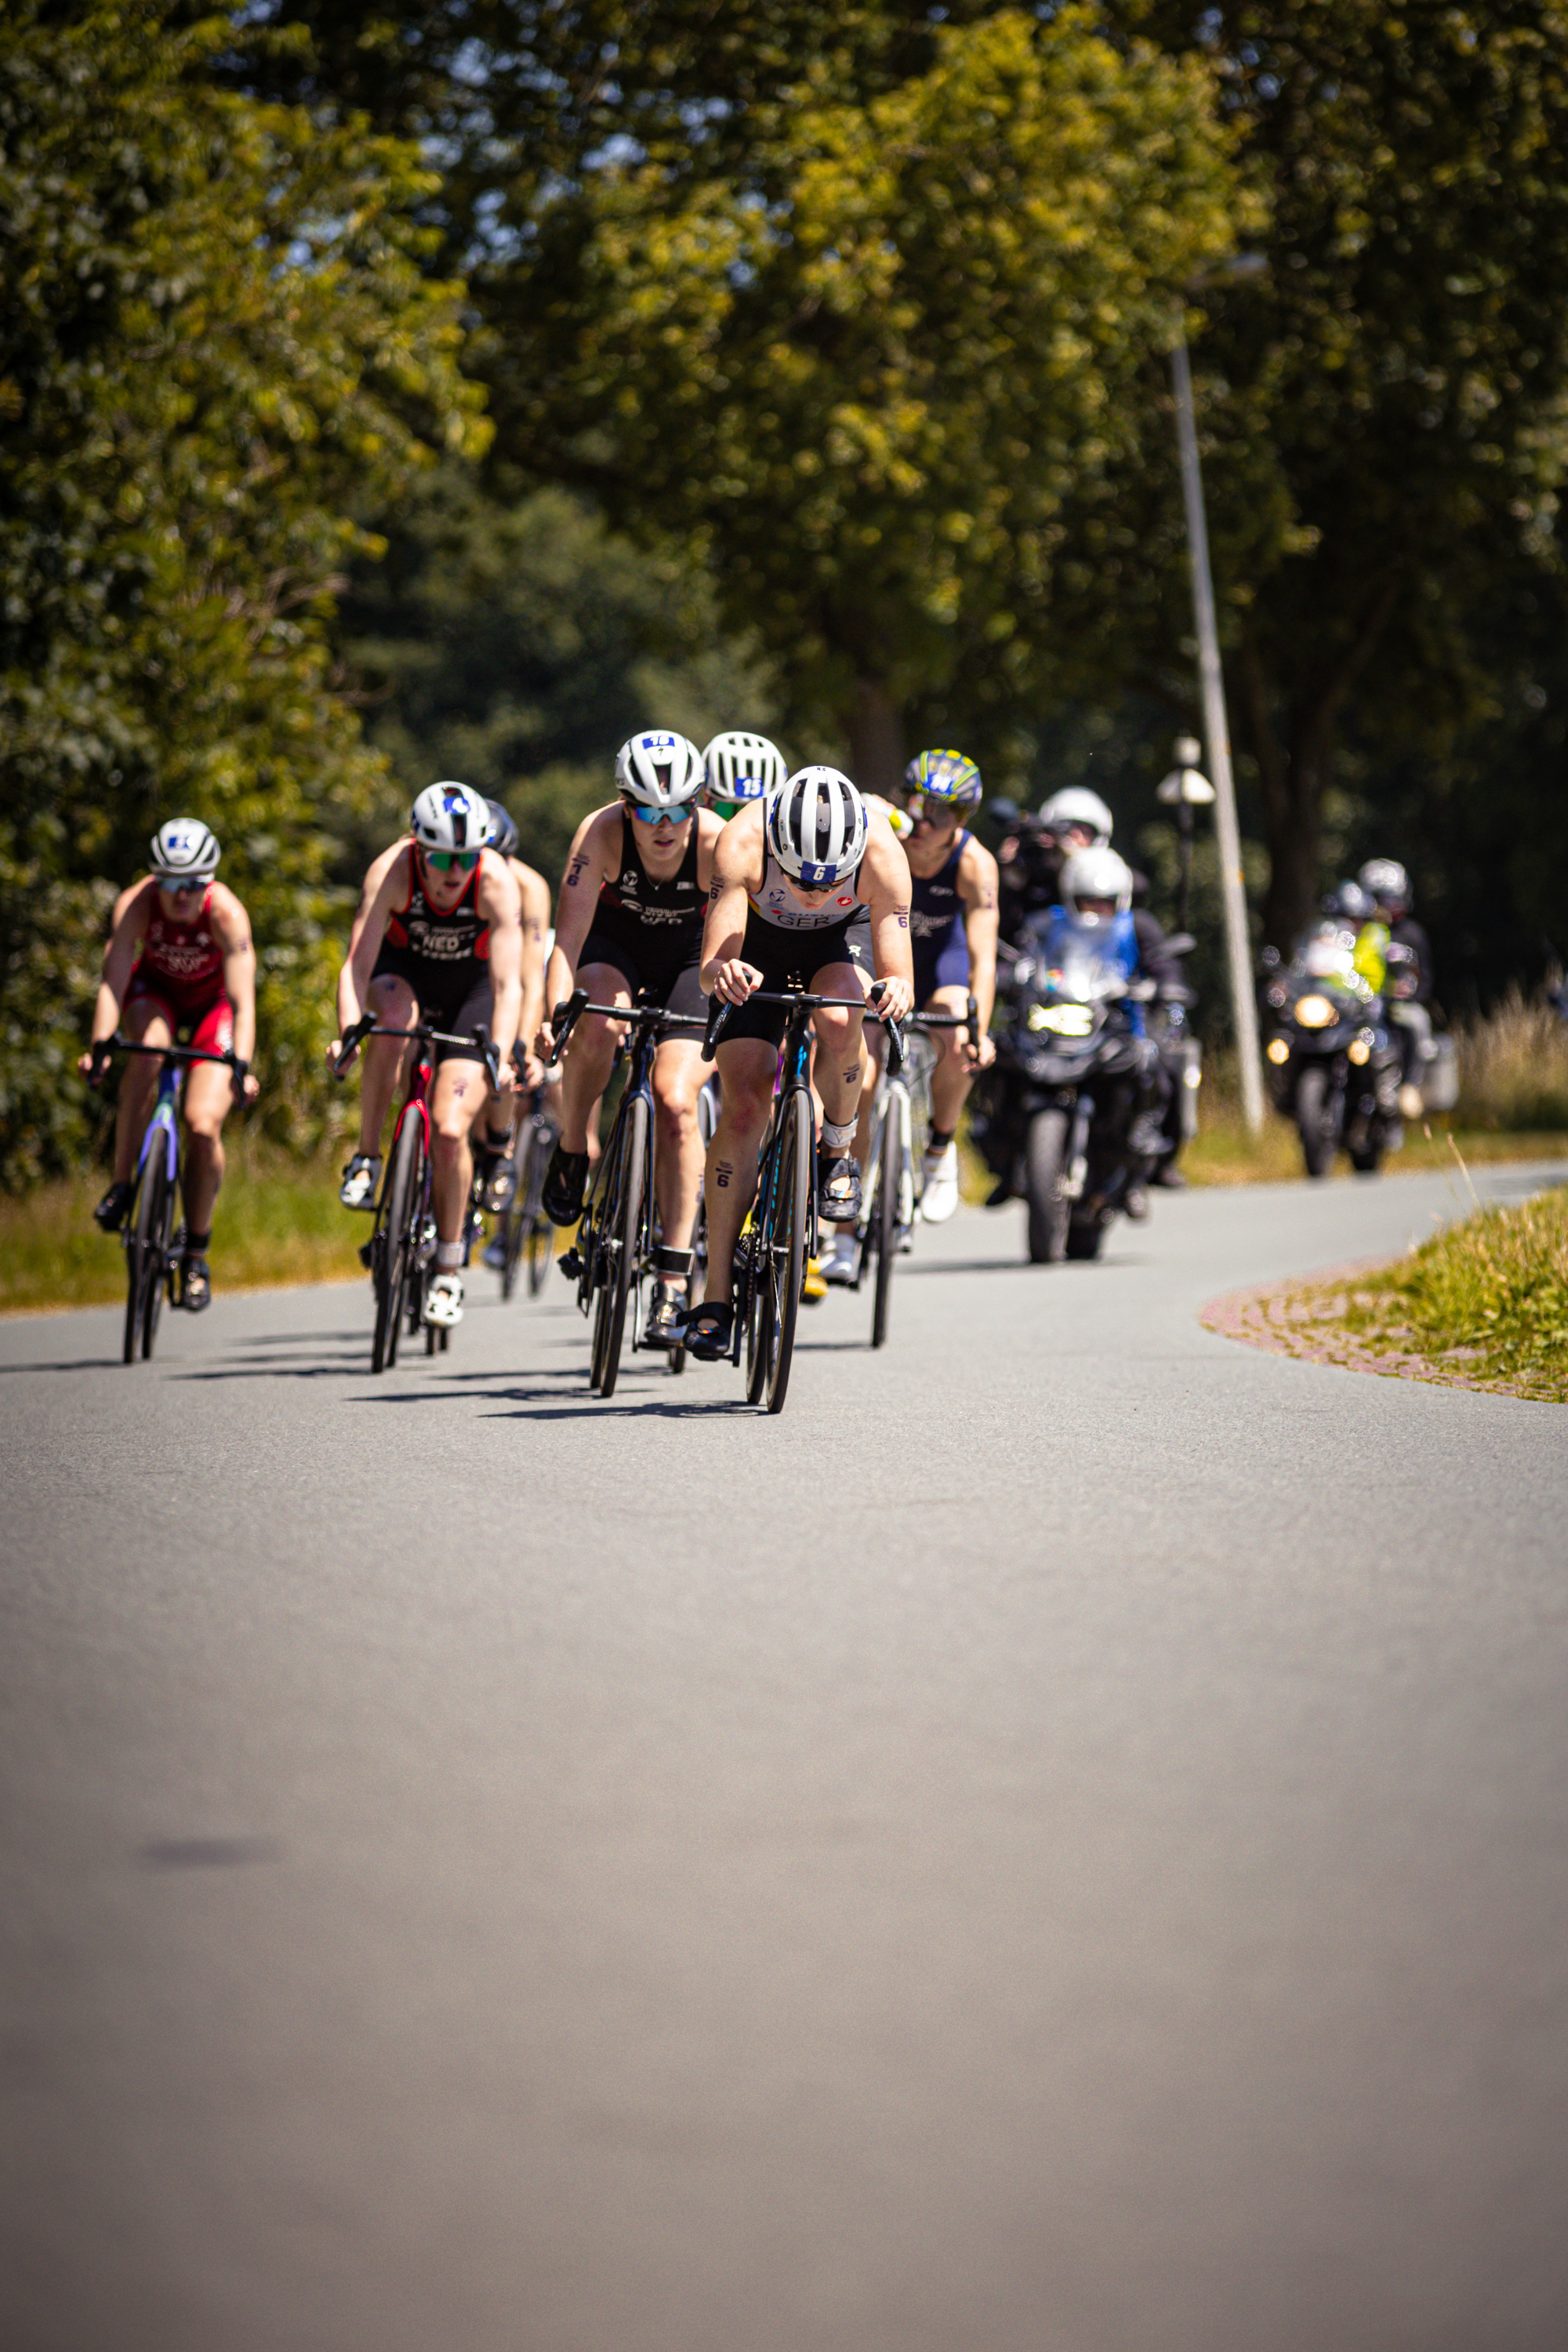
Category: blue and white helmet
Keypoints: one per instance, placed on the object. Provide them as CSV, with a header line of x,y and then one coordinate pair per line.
x,y
741,767
451,816
183,850
816,827
949,776
659,770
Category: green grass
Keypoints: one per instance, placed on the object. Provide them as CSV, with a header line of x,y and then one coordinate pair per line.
x,y
1486,1300
277,1222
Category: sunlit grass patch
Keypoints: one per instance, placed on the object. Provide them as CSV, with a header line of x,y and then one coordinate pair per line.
x,y
277,1220
1486,1300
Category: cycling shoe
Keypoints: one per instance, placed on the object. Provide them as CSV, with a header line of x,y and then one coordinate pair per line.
x,y
111,1211
360,1178
565,1182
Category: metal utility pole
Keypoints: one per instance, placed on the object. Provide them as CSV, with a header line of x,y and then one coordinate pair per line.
x,y
1244,1005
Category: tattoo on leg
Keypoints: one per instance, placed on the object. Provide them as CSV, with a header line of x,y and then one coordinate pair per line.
x,y
723,1173
852,1072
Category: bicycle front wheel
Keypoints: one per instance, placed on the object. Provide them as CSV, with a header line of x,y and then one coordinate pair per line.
x,y
884,1234
136,1248
156,1271
394,1238
782,1269
621,1243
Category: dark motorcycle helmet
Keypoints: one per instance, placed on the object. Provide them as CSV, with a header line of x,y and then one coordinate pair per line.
x,y
1349,903
502,837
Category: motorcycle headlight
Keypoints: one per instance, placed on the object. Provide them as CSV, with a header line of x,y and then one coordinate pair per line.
x,y
1358,1050
1279,1051
1063,1020
1315,1012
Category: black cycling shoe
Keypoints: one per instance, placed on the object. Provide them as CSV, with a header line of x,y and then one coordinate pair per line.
x,y
111,1211
497,1173
196,1283
667,1315
1002,1191
709,1332
565,1182
838,1188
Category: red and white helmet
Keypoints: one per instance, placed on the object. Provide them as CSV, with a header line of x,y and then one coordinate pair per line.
x,y
451,816
816,826
659,771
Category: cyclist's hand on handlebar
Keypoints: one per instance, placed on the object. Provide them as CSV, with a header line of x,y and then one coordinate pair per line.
x,y
734,981
895,1000
246,1085
94,1063
529,1066
982,1058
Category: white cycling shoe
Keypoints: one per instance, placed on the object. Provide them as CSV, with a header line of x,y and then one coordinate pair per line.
x,y
841,1263
940,1198
444,1301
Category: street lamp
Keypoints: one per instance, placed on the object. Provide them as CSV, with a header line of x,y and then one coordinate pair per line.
x,y
1212,683
1185,790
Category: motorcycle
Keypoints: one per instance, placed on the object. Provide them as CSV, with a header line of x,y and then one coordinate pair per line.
x,y
1070,1115
1333,1068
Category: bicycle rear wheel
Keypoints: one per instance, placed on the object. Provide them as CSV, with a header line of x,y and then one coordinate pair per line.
x,y
621,1243
885,1210
782,1269
394,1239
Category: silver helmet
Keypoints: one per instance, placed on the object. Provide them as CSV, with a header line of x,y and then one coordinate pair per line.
x,y
183,850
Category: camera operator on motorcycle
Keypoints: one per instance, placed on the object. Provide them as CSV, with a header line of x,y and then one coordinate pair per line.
x,y
1097,900
1407,996
1030,858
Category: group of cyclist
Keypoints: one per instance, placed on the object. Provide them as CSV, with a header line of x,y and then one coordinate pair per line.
x,y
716,874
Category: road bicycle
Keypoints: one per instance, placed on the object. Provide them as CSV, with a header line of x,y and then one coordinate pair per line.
x,y
153,1245
895,1164
527,1236
616,1238
402,1248
781,1233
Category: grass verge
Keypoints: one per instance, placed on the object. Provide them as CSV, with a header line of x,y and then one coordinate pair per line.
x,y
1482,1305
278,1221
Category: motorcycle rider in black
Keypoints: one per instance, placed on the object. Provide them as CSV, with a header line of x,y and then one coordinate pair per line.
x,y
1407,998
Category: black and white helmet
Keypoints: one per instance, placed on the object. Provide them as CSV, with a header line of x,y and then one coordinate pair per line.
x,y
1096,874
659,770
451,816
1075,804
1385,880
816,826
741,767
183,850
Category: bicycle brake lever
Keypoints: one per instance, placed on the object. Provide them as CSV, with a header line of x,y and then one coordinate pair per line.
x,y
718,1013
895,1048
563,1020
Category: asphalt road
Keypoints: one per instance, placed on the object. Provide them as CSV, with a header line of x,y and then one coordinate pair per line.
x,y
1059,1840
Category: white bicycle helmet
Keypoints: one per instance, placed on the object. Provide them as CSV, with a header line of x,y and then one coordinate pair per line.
x,y
1075,804
659,770
816,826
451,816
183,850
1095,873
1385,880
741,767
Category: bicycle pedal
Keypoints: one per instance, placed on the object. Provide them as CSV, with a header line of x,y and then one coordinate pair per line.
x,y
367,1254
571,1263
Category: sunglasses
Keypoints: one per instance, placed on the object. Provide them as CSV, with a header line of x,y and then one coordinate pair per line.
x,y
682,816
448,861
931,812
180,886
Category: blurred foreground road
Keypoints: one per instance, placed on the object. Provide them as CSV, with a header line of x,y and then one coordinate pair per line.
x,y
1059,1842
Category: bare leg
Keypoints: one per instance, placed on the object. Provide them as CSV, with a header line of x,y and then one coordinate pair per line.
x,y
384,1059
586,1063
456,1099
953,1077
746,1074
138,1087
679,1071
209,1096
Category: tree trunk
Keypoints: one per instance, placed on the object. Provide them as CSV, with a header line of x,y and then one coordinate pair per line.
x,y
877,754
1295,849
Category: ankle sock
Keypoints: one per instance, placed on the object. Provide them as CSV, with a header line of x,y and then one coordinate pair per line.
x,y
449,1256
836,1138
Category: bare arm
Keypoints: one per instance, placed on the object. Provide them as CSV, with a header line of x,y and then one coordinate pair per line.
x,y
231,928
885,887
977,887
586,871
737,869
126,931
500,901
382,885
534,893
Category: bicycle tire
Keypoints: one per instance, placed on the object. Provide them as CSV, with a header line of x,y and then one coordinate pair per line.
x,y
786,1269
156,1271
885,1214
540,1252
758,1290
622,1236
395,1219
135,1255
